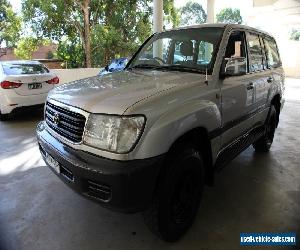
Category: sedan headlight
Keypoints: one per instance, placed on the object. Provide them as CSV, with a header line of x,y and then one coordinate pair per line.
x,y
113,133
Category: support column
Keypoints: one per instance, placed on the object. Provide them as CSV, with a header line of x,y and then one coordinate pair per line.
x,y
158,19
210,19
210,11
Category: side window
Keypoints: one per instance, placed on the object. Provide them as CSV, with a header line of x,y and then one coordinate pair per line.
x,y
236,46
273,59
255,53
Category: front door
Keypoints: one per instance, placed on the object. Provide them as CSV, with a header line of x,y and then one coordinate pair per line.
x,y
237,94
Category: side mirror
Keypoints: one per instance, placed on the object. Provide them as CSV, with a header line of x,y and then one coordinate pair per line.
x,y
235,66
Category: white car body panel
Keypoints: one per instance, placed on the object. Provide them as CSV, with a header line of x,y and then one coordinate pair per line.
x,y
114,93
22,96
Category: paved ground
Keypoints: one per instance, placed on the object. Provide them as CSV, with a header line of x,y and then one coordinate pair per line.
x,y
255,193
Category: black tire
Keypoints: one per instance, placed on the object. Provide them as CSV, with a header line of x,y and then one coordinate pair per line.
x,y
4,117
264,143
178,195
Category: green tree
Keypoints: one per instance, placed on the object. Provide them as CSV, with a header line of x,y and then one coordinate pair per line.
x,y
229,15
55,19
295,35
171,13
27,45
91,21
71,52
126,26
50,55
10,24
192,13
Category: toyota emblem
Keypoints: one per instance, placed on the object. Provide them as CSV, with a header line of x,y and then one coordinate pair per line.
x,y
56,119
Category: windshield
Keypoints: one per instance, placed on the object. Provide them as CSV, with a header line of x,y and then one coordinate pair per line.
x,y
23,69
191,49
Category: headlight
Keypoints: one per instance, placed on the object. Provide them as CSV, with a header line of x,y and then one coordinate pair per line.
x,y
113,133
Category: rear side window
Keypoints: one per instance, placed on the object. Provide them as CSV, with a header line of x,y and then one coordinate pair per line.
x,y
272,54
255,53
23,69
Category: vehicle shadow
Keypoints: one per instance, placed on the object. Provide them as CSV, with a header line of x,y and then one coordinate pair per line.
x,y
27,115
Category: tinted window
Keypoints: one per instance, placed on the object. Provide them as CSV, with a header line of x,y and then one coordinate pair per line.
x,y
271,53
183,49
255,53
236,46
22,69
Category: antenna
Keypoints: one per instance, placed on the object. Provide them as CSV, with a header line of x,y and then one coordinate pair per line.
x,y
206,81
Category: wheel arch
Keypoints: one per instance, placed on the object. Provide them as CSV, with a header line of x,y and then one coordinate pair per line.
x,y
199,139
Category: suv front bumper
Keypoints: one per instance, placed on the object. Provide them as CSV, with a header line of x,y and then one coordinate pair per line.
x,y
125,186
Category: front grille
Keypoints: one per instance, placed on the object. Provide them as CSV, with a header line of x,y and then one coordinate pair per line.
x,y
65,122
98,190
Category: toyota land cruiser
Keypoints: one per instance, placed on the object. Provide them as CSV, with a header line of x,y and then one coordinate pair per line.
x,y
150,137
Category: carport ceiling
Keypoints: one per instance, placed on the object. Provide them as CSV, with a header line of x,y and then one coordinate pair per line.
x,y
289,9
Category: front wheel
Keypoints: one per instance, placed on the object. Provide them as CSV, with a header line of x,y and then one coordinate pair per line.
x,y
264,143
177,197
4,117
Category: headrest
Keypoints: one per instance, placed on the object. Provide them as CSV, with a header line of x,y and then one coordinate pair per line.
x,y
186,48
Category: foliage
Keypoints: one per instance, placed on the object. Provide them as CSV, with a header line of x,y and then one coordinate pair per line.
x,y
71,52
50,55
295,35
113,27
27,45
192,13
10,24
101,29
171,14
229,15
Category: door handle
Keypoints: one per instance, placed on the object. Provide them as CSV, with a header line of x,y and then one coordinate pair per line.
x,y
269,79
250,86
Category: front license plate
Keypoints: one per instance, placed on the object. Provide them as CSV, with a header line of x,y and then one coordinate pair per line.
x,y
53,163
34,86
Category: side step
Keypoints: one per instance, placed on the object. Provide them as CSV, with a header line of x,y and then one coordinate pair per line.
x,y
232,150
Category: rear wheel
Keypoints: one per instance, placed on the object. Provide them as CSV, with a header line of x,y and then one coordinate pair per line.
x,y
178,196
265,142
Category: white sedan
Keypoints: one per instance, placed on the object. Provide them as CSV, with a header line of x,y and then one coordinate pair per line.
x,y
23,84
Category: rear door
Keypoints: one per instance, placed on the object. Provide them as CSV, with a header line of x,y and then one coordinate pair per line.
x,y
273,60
262,76
33,77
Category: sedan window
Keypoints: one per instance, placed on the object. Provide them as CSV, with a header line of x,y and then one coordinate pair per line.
x,y
23,69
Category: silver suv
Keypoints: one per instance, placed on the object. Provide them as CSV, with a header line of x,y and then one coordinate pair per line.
x,y
150,137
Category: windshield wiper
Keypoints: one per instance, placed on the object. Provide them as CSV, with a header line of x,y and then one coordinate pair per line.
x,y
146,66
184,68
168,67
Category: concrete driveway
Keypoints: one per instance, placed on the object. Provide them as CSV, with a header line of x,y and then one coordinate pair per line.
x,y
255,193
